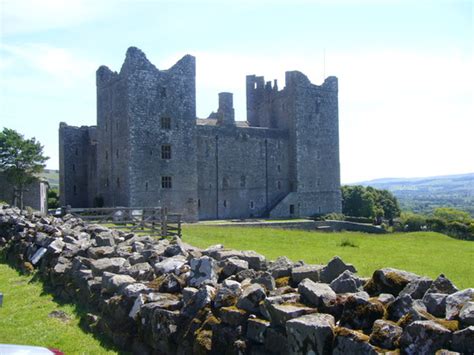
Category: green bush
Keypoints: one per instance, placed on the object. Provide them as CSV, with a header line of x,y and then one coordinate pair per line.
x,y
334,217
359,219
436,224
459,230
411,222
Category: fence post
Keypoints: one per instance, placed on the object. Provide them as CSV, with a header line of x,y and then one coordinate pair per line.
x,y
164,223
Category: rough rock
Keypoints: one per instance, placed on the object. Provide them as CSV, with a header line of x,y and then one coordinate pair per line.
x,y
265,279
233,315
101,252
389,280
316,294
456,301
385,334
417,288
141,272
105,239
251,297
359,313
312,333
113,265
346,282
135,289
334,268
256,329
466,314
281,267
424,337
386,298
203,270
168,265
299,273
435,303
256,261
349,341
463,340
227,294
199,300
113,282
442,285
281,313
233,265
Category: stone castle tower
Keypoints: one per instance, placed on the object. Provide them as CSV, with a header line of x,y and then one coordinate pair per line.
x,y
149,149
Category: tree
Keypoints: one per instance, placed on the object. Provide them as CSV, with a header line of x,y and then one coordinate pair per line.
x,y
360,201
20,160
53,198
357,202
449,214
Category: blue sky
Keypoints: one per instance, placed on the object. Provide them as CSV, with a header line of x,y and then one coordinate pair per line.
x,y
405,68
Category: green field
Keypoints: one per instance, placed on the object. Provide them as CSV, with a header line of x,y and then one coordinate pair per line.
x,y
424,253
24,318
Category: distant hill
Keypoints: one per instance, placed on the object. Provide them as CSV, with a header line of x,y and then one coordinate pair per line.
x,y
422,195
52,176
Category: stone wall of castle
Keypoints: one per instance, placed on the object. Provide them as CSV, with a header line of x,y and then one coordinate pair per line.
x,y
152,151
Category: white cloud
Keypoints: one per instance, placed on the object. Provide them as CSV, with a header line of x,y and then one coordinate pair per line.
x,y
25,16
65,67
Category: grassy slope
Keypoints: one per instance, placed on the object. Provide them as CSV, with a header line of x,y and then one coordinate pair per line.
x,y
425,253
24,318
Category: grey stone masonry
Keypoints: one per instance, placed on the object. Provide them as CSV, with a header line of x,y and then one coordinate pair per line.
x,y
149,149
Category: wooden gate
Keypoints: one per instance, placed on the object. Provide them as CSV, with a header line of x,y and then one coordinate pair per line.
x,y
149,220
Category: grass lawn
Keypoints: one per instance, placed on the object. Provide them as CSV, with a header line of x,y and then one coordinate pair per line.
x,y
24,318
424,253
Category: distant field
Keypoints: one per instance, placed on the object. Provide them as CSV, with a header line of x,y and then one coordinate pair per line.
x,y
425,253
52,176
24,318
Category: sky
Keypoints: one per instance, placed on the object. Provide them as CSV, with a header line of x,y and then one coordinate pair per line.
x,y
405,68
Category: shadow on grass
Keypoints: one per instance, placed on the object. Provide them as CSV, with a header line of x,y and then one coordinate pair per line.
x,y
79,309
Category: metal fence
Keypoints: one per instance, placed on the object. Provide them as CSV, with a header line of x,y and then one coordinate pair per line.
x,y
150,220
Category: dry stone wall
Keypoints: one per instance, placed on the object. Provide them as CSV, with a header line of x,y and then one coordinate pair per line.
x,y
166,297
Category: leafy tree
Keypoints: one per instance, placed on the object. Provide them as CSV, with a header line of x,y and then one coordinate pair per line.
x,y
360,201
357,201
53,198
20,160
449,214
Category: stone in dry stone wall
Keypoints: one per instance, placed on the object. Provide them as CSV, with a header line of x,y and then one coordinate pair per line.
x,y
166,297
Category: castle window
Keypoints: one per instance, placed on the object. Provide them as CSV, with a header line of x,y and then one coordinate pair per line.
x,y
292,209
117,153
199,202
163,92
107,183
279,168
118,182
225,203
166,151
73,167
166,182
243,181
146,186
116,125
165,122
319,209
74,188
151,152
252,205
279,185
225,182
106,155
318,182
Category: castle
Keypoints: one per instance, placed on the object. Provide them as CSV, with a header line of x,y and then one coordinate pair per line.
x,y
149,149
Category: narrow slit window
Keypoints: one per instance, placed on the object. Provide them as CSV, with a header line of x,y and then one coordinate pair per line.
x,y
225,203
75,189
252,205
118,182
